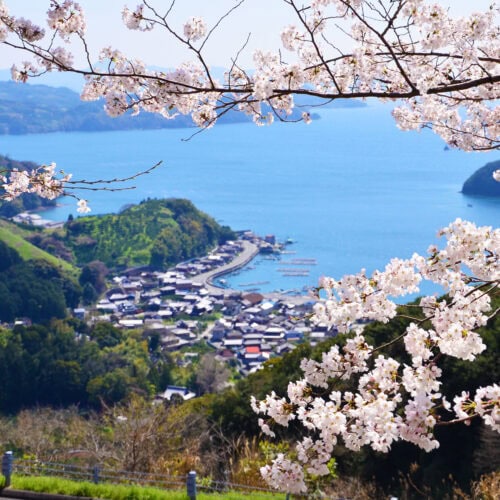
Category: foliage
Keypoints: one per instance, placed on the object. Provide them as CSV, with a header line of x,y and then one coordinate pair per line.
x,y
488,486
29,243
159,233
54,365
94,273
33,289
51,242
232,409
211,375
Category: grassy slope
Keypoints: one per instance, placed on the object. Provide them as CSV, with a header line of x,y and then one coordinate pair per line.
x,y
14,236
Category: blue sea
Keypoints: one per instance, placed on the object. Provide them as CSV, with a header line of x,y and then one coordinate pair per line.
x,y
350,189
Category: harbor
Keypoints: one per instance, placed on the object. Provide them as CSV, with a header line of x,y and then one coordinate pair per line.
x,y
273,267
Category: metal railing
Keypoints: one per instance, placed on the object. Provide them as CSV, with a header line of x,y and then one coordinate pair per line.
x,y
98,474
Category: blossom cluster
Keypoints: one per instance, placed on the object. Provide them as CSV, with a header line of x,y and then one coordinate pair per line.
x,y
66,18
135,20
393,401
42,181
195,28
444,71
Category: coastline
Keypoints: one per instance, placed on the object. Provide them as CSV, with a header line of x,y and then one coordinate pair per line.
x,y
250,251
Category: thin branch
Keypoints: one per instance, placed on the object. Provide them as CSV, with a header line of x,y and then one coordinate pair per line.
x,y
217,24
113,181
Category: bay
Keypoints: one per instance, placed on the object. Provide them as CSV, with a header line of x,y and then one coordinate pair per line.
x,y
350,189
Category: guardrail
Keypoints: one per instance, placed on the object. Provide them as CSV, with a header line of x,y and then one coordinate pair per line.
x,y
97,474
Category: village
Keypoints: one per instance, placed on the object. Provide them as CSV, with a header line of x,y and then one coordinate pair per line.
x,y
244,328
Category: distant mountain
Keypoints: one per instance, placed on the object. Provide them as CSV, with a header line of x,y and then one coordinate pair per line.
x,y
481,182
32,109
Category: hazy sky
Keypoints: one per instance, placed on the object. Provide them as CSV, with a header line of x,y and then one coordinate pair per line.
x,y
264,19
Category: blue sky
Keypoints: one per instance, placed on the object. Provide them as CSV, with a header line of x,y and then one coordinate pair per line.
x,y
263,18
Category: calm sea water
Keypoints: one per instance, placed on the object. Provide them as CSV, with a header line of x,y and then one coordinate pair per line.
x,y
350,189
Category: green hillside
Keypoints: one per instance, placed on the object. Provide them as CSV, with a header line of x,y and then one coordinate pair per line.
x,y
33,289
159,233
17,238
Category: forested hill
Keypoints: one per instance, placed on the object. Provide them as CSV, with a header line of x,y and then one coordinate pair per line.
x,y
35,289
35,109
159,233
41,284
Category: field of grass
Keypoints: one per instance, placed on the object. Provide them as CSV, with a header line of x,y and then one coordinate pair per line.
x,y
123,492
14,237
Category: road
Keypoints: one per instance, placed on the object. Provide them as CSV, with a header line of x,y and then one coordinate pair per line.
x,y
250,250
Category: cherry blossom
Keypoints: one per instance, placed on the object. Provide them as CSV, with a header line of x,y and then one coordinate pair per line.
x,y
134,20
41,181
442,73
195,28
83,208
394,401
66,18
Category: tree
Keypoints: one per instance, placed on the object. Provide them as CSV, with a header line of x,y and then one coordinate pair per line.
x,y
211,375
444,74
394,400
442,71
94,273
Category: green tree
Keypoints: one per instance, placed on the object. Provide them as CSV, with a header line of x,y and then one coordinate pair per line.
x,y
89,294
110,388
106,335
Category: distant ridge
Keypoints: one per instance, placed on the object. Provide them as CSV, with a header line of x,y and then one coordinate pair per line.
x,y
481,182
37,109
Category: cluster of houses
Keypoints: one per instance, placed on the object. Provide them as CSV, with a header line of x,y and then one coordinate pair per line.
x,y
255,328
245,328
33,219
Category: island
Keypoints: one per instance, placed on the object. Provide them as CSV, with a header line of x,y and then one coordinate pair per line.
x,y
481,182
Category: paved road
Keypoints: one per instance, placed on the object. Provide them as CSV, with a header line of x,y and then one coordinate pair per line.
x,y
250,250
